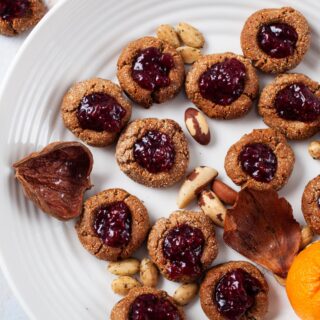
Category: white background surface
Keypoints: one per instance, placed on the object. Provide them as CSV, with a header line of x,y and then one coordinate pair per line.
x,y
81,41
10,308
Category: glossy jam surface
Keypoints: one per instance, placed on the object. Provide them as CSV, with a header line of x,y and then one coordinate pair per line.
x,y
235,293
259,161
151,307
296,102
12,9
151,68
100,112
112,224
278,40
223,82
154,152
183,247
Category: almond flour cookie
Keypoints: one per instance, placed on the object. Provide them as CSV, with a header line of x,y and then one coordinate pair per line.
x,y
153,152
222,85
147,303
260,160
150,70
17,16
95,111
183,245
291,104
275,40
113,224
234,290
311,204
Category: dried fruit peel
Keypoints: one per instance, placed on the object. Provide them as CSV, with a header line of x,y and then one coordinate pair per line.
x,y
261,227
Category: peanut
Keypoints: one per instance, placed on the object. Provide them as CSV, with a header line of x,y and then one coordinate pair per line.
x,y
185,293
189,54
212,207
148,273
127,267
314,149
194,183
189,35
197,126
167,33
124,284
225,193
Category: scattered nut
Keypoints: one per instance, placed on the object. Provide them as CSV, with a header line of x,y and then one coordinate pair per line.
x,y
124,284
225,193
189,54
185,293
314,149
189,35
197,126
127,267
167,33
194,184
148,273
306,236
281,281
211,205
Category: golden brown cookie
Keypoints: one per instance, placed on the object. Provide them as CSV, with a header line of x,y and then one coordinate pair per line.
x,y
311,204
291,104
150,71
95,111
146,303
260,160
222,85
183,245
17,16
246,301
276,40
113,224
153,152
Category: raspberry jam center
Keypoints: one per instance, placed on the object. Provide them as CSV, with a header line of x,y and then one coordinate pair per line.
x,y
223,82
154,152
235,293
259,161
278,40
296,102
12,9
100,112
183,247
112,224
151,307
151,68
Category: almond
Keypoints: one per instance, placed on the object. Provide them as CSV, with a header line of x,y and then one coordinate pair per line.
x,y
194,184
211,205
124,284
306,236
189,54
189,35
167,33
127,267
185,293
225,193
197,126
149,274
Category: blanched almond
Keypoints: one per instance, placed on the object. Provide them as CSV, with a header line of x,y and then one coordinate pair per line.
x,y
148,273
167,33
189,35
194,184
314,149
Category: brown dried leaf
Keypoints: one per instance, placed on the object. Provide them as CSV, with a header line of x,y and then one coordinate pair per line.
x,y
56,178
261,227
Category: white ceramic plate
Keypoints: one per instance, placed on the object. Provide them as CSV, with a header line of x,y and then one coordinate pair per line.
x,y
53,276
